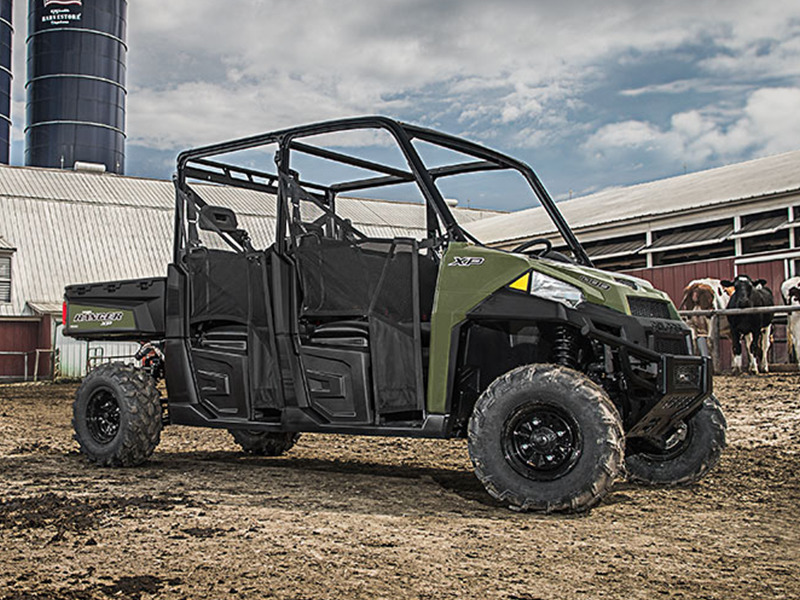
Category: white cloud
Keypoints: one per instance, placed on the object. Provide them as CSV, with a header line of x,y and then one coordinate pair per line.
x,y
508,63
686,86
628,134
769,123
515,72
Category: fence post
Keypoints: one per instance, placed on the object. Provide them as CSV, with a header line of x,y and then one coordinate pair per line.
x,y
717,342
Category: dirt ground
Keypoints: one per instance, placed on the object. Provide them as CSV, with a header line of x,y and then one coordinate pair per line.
x,y
342,517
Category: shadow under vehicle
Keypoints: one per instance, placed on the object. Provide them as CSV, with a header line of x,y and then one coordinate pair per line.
x,y
562,377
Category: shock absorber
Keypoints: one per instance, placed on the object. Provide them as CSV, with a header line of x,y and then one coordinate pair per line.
x,y
565,347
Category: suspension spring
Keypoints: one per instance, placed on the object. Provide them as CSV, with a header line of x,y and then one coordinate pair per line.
x,y
565,347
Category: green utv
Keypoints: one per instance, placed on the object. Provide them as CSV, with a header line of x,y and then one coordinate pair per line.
x,y
562,377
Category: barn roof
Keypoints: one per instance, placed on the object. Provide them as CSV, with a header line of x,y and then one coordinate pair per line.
x,y
76,227
755,178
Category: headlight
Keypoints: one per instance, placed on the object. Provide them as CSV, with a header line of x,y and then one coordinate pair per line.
x,y
686,376
554,289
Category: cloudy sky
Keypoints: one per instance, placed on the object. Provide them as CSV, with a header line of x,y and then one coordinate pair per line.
x,y
591,94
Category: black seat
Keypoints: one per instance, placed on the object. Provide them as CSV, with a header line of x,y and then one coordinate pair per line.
x,y
341,333
338,278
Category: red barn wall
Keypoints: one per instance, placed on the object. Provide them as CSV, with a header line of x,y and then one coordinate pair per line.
x,y
18,335
673,279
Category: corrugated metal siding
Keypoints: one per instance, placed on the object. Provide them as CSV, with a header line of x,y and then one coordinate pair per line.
x,y
50,184
60,243
72,227
73,356
614,249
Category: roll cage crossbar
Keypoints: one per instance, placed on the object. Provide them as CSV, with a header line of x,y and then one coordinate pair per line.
x,y
197,164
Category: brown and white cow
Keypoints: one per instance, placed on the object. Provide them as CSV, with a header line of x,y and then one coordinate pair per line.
x,y
706,294
790,291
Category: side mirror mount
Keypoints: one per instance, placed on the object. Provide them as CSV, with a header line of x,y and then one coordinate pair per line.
x,y
218,218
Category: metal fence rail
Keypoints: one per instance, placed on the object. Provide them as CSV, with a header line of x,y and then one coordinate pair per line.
x,y
24,354
780,311
759,310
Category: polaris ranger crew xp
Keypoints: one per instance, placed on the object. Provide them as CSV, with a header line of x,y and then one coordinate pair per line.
x,y
561,376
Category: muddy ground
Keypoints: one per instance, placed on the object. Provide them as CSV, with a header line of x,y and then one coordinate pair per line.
x,y
342,517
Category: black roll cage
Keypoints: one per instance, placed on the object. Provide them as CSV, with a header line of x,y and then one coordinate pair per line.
x,y
197,164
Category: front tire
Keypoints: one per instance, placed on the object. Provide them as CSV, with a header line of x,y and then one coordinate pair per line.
x,y
264,443
546,438
117,416
691,452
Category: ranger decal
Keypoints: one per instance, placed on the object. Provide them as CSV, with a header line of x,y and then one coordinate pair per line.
x,y
104,318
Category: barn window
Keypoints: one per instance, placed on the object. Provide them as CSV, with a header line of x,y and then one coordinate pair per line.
x,y
5,278
764,232
618,253
700,241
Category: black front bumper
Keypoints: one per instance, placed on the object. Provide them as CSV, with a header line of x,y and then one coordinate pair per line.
x,y
683,383
680,385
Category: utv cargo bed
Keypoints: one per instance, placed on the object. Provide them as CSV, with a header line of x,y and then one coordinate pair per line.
x,y
120,310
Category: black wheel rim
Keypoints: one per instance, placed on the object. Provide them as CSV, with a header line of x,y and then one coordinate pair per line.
x,y
542,442
102,416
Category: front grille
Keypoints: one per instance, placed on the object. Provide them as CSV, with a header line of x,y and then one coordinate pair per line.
x,y
648,308
664,345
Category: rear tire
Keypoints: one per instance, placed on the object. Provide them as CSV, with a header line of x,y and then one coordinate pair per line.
x,y
546,438
117,415
693,453
264,443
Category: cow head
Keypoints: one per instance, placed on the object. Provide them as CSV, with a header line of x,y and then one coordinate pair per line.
x,y
697,296
794,295
743,287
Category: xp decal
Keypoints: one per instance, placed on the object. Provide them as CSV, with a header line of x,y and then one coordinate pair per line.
x,y
466,261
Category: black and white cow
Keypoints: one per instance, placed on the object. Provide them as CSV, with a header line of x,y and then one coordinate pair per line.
x,y
755,329
790,290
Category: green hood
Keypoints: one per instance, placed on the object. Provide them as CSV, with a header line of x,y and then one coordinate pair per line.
x,y
602,287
